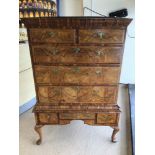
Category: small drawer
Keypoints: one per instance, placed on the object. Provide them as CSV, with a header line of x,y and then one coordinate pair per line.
x,y
48,118
52,35
77,116
106,118
86,121
101,36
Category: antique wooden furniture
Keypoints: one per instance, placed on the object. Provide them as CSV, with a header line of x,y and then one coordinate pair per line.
x,y
76,65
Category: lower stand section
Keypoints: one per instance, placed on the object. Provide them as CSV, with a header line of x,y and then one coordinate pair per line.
x,y
105,116
38,130
113,137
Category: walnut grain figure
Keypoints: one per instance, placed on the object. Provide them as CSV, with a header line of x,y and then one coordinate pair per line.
x,y
76,65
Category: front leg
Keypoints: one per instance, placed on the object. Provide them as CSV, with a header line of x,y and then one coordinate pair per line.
x,y
37,128
115,131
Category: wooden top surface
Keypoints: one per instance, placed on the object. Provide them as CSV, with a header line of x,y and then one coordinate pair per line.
x,y
75,22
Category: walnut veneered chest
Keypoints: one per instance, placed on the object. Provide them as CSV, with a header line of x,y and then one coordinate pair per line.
x,y
76,65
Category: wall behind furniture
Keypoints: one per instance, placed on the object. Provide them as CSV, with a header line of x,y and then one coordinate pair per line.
x,y
71,7
26,83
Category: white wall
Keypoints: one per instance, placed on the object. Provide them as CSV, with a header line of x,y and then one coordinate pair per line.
x,y
106,6
88,4
71,7
26,82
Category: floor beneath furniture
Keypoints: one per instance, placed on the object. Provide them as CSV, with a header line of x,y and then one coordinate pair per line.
x,y
77,138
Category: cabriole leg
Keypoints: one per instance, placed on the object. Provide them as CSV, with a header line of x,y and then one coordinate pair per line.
x,y
37,128
113,137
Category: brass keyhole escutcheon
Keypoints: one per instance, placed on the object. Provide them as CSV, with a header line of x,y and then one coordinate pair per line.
x,y
99,53
55,71
48,117
107,118
98,72
76,50
76,69
51,34
101,35
77,88
54,52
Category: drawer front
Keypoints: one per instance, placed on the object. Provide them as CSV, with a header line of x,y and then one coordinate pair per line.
x,y
77,75
101,36
107,118
49,118
77,94
78,54
52,35
77,116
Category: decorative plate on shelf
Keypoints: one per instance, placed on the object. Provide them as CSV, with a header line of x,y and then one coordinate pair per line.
x,y
37,8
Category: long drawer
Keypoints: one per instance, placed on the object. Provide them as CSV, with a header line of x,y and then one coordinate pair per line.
x,y
76,54
77,94
101,36
38,35
55,75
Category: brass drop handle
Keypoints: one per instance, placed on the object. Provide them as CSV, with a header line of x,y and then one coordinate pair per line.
x,y
99,53
55,71
57,91
77,88
76,50
76,69
54,52
41,73
94,93
107,118
98,72
48,117
51,34
101,35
